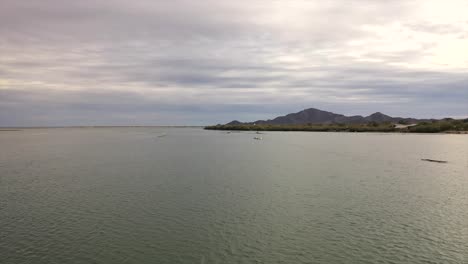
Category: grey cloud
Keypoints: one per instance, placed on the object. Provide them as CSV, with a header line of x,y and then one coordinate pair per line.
x,y
199,62
443,29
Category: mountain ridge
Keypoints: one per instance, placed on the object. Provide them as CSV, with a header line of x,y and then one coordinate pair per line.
x,y
317,116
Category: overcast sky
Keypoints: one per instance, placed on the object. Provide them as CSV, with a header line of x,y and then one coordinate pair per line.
x,y
158,62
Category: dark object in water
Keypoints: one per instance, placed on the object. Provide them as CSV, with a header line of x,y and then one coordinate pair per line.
x,y
432,160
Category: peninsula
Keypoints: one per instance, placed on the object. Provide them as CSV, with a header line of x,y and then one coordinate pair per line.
x,y
318,120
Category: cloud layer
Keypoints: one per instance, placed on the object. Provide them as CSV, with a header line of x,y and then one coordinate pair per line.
x,y
202,62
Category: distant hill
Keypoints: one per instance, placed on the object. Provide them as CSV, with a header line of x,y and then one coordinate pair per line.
x,y
316,116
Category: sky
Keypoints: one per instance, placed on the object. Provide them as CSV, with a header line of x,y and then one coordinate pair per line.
x,y
179,62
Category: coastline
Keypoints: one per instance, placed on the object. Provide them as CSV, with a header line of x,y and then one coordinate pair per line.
x,y
386,132
439,127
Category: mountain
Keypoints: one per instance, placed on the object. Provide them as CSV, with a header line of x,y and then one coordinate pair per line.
x,y
235,122
317,116
380,118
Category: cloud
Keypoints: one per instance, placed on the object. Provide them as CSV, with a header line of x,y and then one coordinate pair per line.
x,y
192,62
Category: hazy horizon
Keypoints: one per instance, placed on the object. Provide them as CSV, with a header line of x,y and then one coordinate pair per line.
x,y
103,124
88,63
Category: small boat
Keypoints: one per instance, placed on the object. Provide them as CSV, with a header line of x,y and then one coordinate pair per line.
x,y
432,160
257,138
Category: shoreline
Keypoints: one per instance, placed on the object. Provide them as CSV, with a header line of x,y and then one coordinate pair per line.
x,y
397,131
386,132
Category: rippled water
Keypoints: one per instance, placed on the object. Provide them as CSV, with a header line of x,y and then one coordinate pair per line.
x,y
185,195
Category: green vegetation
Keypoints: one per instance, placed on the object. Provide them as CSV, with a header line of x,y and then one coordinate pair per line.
x,y
436,126
371,127
444,125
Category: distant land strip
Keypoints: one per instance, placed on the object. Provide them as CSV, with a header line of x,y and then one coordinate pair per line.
x,y
322,121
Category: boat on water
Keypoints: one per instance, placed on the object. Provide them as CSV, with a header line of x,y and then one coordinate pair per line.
x,y
258,138
432,160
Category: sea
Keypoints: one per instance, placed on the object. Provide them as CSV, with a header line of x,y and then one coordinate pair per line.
x,y
188,195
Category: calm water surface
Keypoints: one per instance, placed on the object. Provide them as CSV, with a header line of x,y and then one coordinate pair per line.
x,y
185,195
